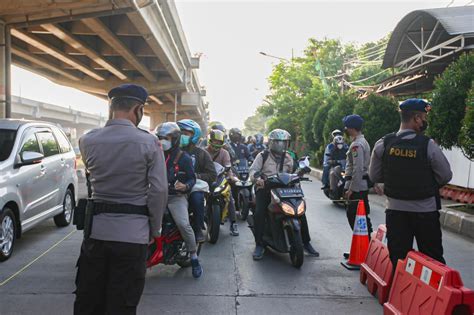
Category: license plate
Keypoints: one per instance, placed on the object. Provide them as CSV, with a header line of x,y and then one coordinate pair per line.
x,y
290,192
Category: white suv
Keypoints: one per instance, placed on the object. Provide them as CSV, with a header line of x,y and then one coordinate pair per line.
x,y
38,179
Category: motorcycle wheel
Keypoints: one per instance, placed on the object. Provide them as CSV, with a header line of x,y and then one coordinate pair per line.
x,y
214,223
296,248
244,204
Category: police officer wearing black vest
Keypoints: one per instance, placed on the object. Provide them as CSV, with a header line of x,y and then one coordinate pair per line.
x,y
129,196
412,168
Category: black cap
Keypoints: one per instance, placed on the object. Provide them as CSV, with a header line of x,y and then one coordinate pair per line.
x,y
130,91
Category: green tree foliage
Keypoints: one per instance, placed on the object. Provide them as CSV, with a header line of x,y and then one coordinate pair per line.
x,y
255,124
380,116
466,138
449,101
343,106
304,89
318,127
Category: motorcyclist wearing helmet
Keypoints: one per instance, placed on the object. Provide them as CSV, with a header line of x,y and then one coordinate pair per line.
x,y
181,179
328,153
216,140
242,154
337,160
203,168
269,162
258,146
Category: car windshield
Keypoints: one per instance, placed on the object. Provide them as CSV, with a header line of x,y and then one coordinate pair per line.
x,y
7,140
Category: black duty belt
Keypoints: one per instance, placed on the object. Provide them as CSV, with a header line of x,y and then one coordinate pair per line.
x,y
123,208
366,177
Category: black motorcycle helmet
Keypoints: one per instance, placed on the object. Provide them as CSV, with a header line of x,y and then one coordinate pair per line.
x,y
169,130
235,135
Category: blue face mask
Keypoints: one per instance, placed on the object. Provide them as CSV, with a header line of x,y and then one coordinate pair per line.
x,y
184,141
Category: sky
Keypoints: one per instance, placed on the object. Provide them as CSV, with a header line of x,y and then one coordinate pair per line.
x,y
230,35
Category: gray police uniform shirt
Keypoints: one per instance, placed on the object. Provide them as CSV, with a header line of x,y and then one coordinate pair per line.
x,y
357,164
441,170
126,165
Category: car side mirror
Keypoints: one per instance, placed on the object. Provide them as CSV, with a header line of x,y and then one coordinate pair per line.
x,y
30,158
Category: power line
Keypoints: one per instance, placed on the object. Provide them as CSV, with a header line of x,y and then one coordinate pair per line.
x,y
375,53
372,76
368,49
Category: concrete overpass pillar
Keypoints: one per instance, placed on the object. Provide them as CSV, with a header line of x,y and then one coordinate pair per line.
x,y
157,118
5,79
2,70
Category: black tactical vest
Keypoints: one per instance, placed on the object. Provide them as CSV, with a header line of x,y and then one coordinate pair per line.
x,y
407,172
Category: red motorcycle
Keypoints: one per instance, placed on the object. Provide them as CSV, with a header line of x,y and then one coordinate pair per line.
x,y
169,248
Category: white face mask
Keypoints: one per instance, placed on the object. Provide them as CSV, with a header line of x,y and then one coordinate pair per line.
x,y
165,144
339,146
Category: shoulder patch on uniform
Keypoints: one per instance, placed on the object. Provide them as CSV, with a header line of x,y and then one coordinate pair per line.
x,y
354,150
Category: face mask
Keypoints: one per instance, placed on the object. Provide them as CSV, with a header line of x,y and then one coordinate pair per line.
x,y
424,126
165,144
339,146
184,141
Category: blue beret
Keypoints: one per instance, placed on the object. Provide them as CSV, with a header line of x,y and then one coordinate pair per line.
x,y
415,104
131,91
353,121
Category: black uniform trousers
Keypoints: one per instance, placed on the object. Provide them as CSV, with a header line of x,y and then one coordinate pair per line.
x,y
110,277
351,209
403,226
263,199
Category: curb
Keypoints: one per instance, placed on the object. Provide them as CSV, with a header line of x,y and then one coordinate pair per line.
x,y
458,222
455,221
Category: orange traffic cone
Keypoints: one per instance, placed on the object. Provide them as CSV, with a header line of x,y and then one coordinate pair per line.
x,y
360,240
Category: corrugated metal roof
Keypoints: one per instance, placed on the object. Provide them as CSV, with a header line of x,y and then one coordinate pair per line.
x,y
454,20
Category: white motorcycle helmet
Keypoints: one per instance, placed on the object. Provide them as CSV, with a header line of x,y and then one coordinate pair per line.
x,y
339,142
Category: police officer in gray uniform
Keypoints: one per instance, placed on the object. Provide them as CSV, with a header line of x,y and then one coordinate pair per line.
x,y
129,196
412,168
357,167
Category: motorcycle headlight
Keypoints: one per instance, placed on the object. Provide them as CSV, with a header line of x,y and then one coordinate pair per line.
x,y
301,208
287,208
218,189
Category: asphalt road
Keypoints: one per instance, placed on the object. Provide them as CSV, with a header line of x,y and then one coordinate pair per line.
x,y
232,282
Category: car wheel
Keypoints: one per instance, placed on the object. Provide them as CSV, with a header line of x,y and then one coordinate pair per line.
x,y
7,233
65,217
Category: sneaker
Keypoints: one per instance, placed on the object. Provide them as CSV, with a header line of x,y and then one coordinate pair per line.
x,y
234,229
310,250
346,255
196,268
324,187
258,253
200,238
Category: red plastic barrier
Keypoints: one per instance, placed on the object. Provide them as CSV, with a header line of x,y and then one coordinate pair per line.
x,y
423,285
377,268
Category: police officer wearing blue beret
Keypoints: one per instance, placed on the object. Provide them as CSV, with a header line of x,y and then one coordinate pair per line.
x,y
129,196
412,168
357,167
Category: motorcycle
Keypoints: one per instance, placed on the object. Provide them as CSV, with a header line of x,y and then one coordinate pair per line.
x,y
217,203
169,248
243,189
282,230
337,196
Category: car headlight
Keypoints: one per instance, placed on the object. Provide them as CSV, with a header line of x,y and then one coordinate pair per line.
x,y
287,208
301,208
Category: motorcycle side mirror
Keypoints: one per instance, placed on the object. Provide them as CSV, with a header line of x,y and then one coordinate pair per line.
x,y
304,162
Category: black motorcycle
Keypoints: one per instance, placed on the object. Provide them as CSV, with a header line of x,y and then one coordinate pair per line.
x,y
337,196
282,226
242,190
